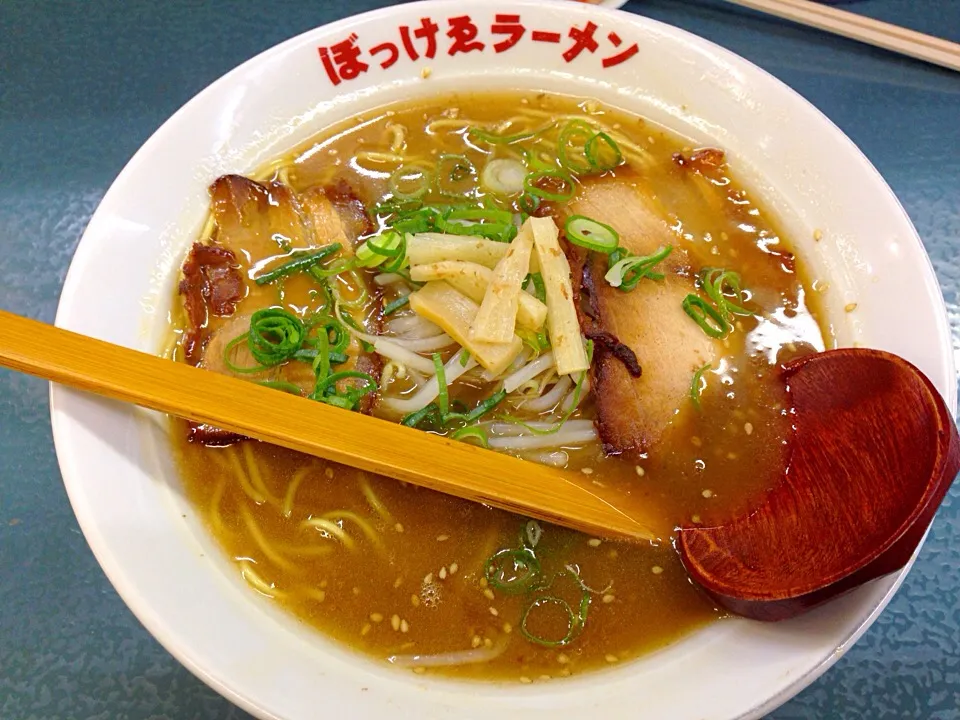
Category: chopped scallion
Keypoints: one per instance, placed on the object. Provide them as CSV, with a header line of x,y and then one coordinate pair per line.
x,y
567,189
410,181
698,385
591,234
472,432
513,571
302,262
394,305
706,316
626,271
603,153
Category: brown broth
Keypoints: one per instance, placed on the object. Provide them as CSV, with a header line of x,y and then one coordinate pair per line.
x,y
416,584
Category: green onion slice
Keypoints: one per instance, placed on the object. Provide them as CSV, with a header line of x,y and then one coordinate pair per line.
x,y
698,385
572,154
574,620
287,387
410,181
456,175
603,153
394,305
703,314
591,234
512,571
549,177
275,335
418,416
723,288
472,432
303,261
626,271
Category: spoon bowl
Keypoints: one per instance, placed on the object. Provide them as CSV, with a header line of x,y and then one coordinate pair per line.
x,y
873,452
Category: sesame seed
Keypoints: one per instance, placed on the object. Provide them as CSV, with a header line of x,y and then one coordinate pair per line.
x,y
356,591
487,643
398,527
562,659
483,582
365,629
587,471
415,600
611,658
608,598
525,680
656,569
507,628
640,471
376,617
323,583
404,626
612,554
565,672
488,594
748,428
544,677
442,538
395,622
818,235
696,519
493,611
707,493
453,568
398,582
419,670
593,542
476,642
850,307
428,578
425,73
731,456
328,472
724,236
443,573
650,139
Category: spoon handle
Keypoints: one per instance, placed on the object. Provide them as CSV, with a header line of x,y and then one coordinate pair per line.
x,y
350,438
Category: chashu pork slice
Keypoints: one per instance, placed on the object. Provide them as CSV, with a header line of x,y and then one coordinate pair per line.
x,y
255,222
646,347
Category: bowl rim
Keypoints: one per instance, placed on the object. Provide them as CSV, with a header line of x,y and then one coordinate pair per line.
x,y
155,623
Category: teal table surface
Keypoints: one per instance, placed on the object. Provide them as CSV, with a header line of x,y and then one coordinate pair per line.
x,y
84,83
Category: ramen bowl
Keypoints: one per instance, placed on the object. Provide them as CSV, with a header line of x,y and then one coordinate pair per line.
x,y
844,221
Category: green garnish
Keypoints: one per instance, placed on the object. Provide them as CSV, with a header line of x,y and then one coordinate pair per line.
x,y
456,175
348,398
703,314
573,155
626,271
478,221
512,571
472,432
283,385
603,153
394,305
698,385
410,181
575,621
569,189
304,261
591,234
275,335
723,288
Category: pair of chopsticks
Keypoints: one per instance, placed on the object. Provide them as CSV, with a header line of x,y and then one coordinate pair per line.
x,y
866,30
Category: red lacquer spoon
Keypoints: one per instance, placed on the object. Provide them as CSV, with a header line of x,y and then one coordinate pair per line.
x,y
872,455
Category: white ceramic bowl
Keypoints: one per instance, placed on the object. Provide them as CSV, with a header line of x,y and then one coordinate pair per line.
x,y
149,540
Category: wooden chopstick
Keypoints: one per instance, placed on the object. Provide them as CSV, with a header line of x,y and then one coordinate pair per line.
x,y
866,30
378,446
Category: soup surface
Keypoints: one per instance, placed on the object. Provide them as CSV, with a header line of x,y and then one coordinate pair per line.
x,y
702,296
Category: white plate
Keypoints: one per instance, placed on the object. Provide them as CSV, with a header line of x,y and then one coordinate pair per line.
x,y
128,499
